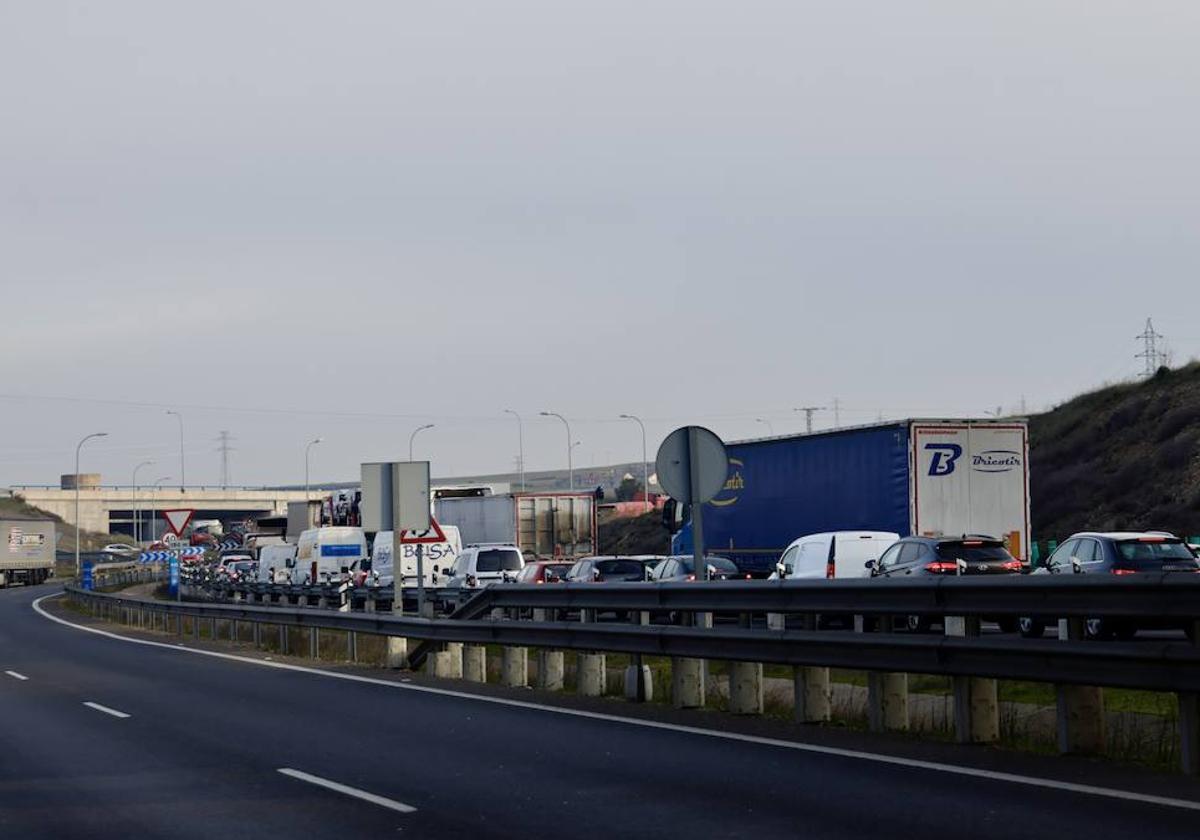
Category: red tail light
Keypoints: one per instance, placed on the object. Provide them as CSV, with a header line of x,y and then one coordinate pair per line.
x,y
748,576
691,577
1124,571
941,567
1011,565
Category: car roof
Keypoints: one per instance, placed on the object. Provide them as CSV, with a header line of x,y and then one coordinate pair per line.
x,y
1123,535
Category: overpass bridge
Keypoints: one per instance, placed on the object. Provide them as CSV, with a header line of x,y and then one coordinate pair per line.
x,y
110,508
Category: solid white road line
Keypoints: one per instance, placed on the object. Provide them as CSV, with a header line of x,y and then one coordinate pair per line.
x,y
16,676
878,758
105,709
374,799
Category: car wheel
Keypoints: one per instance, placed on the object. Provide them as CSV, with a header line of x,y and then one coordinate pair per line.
x,y
1098,629
1031,628
919,624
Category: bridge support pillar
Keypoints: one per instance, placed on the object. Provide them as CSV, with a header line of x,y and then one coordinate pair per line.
x,y
514,667
1081,725
591,674
550,670
475,663
813,694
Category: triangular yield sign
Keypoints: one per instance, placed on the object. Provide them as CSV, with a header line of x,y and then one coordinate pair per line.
x,y
177,520
433,534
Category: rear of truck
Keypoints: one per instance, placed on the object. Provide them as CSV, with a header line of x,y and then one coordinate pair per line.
x,y
27,551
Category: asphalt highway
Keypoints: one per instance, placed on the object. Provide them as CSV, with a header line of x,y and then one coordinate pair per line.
x,y
104,738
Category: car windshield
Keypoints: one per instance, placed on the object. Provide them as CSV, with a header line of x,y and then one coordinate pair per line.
x,y
972,552
620,568
498,560
1145,553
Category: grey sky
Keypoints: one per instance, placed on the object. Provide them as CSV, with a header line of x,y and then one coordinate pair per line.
x,y
697,212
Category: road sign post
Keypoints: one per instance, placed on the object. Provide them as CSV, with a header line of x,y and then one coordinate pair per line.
x,y
432,534
173,576
87,581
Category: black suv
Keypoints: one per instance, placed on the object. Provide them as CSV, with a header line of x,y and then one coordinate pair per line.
x,y
1119,553
968,555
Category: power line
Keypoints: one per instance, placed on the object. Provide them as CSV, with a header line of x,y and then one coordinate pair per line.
x,y
1154,357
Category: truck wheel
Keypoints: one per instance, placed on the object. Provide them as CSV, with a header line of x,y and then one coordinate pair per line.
x,y
1031,628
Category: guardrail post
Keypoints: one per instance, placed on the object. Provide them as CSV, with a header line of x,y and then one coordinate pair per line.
x,y
257,634
475,663
196,628
689,688
550,666
639,684
1081,725
745,682
314,642
591,669
514,667
887,693
1189,722
283,639
976,700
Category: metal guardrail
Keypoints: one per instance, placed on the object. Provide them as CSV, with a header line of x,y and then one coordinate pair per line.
x,y
1151,665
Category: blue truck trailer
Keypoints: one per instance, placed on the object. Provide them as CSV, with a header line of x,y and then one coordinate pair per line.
x,y
930,477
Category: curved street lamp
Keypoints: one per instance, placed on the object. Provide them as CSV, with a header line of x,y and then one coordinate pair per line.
x,y
645,463
308,449
570,446
413,437
77,448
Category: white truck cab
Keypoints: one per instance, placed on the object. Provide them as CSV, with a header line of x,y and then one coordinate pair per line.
x,y
834,554
438,558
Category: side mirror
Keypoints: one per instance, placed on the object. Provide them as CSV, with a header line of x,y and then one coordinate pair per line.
x,y
781,570
1076,566
670,513
871,564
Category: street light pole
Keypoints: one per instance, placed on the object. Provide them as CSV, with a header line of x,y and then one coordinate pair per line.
x,y
154,503
520,444
570,446
645,463
182,474
413,437
767,423
137,522
77,448
308,449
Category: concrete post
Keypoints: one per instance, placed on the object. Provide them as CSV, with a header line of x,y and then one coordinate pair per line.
x,y
514,667
257,635
689,687
283,639
314,642
454,660
1081,724
976,700
592,674
196,628
352,646
887,694
813,694
550,670
746,688
397,652
475,663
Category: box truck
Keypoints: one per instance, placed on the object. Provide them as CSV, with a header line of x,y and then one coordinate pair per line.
x,y
27,550
540,524
913,477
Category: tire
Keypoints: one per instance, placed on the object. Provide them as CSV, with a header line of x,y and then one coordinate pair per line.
x,y
1098,629
1031,628
919,624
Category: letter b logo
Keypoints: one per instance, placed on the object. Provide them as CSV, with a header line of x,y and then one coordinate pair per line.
x,y
944,456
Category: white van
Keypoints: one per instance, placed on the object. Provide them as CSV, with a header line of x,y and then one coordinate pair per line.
x,y
439,557
481,565
329,554
835,554
276,562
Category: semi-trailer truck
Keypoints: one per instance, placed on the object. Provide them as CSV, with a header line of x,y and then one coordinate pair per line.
x,y
540,524
913,477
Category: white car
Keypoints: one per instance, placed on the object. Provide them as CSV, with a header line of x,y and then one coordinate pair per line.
x,y
121,550
483,565
835,554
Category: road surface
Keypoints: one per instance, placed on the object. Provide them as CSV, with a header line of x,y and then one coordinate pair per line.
x,y
104,738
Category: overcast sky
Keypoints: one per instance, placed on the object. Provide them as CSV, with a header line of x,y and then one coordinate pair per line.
x,y
294,219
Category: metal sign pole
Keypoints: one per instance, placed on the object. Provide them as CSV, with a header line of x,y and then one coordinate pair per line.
x,y
697,508
420,580
397,573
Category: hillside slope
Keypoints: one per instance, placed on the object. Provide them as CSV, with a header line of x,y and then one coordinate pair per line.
x,y
1122,457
